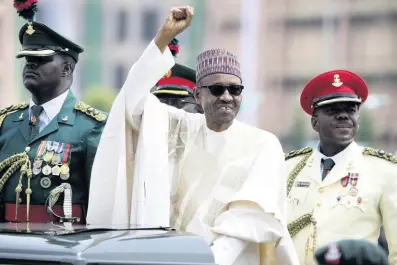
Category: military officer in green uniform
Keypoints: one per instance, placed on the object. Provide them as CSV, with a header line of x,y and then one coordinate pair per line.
x,y
52,139
176,88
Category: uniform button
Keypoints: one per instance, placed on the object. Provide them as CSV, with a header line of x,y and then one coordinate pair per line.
x,y
319,204
321,190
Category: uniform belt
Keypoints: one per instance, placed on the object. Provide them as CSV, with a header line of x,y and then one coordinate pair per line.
x,y
39,214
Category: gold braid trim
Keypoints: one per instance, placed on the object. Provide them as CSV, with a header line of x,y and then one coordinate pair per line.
x,y
90,111
298,152
23,105
380,153
2,118
13,163
297,225
4,112
297,169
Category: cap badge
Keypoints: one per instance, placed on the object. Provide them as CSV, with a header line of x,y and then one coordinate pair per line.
x,y
333,254
337,82
30,29
168,74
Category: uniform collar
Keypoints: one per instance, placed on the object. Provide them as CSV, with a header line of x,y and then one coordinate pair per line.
x,y
52,107
341,156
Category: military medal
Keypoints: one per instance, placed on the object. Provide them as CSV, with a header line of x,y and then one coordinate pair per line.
x,y
36,170
48,156
37,166
64,176
344,182
56,170
353,181
50,152
64,170
56,158
45,182
46,170
38,162
353,191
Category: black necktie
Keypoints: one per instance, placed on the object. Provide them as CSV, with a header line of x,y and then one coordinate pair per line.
x,y
328,164
34,121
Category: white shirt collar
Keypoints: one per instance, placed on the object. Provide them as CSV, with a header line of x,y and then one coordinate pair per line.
x,y
52,107
339,157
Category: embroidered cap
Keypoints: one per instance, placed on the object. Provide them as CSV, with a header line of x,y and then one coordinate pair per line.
x,y
331,87
217,61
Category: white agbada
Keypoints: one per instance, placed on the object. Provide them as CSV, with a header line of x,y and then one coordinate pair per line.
x,y
228,187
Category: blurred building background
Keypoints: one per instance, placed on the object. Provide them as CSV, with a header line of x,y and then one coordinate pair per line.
x,y
282,45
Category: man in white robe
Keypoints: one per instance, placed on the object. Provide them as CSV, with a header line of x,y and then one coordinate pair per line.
x,y
226,180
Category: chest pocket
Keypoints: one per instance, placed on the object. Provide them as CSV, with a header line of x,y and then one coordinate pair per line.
x,y
360,198
298,198
348,202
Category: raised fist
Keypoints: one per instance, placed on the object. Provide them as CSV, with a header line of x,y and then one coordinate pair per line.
x,y
179,19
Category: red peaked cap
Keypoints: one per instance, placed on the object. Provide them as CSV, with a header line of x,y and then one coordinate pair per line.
x,y
331,87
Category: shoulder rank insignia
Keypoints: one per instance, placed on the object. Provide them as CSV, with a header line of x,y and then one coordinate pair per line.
x,y
20,106
380,153
299,152
4,112
90,111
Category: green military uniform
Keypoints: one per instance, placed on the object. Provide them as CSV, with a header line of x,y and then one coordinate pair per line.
x,y
62,152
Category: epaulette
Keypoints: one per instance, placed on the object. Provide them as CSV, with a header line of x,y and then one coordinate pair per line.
x,y
298,152
90,111
380,153
4,112
20,106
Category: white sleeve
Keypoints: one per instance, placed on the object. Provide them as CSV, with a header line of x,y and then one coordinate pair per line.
x,y
143,75
257,213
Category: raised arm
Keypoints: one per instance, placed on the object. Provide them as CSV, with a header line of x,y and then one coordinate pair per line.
x,y
155,61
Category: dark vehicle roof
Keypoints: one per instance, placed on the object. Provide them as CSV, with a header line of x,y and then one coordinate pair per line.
x,y
100,245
